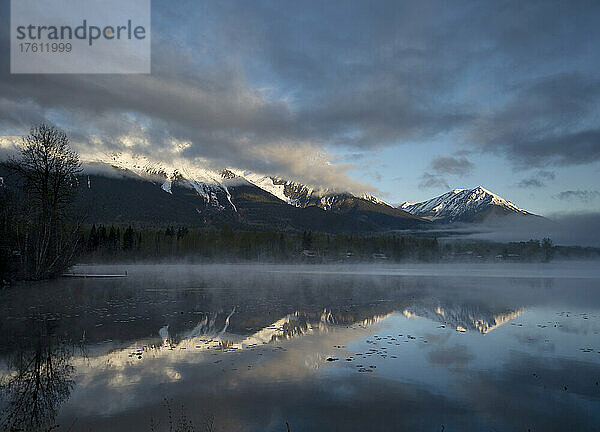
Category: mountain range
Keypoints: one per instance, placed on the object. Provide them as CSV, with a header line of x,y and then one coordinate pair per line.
x,y
123,189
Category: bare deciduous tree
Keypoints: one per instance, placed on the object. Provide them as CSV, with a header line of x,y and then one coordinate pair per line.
x,y
45,232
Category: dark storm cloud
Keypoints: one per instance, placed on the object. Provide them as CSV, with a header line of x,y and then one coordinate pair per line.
x,y
264,86
442,166
578,195
552,120
429,181
538,180
452,165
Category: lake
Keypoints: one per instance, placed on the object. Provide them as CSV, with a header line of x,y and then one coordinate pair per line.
x,y
415,347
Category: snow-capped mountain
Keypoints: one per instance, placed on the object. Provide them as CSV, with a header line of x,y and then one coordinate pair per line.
x,y
127,187
214,186
208,182
293,193
463,205
211,185
300,195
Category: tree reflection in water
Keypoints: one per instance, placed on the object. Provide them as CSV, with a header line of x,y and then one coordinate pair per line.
x,y
38,380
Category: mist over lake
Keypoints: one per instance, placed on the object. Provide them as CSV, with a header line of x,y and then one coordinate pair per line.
x,y
299,216
374,347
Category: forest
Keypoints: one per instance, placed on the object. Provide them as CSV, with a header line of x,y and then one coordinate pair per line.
x,y
106,244
117,244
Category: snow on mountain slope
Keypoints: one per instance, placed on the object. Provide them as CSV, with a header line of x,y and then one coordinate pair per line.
x,y
203,180
293,193
462,205
214,185
208,184
266,183
147,168
166,186
375,200
300,195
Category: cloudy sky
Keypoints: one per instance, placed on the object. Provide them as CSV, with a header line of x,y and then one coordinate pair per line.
x,y
403,99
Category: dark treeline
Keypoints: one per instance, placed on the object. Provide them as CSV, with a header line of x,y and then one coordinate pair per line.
x,y
532,250
110,243
524,251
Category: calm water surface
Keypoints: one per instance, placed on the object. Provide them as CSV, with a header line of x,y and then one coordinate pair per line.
x,y
247,348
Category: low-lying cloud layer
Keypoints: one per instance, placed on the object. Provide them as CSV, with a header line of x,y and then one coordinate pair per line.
x,y
564,229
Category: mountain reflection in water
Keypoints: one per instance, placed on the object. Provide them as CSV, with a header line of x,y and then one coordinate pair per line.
x,y
319,350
